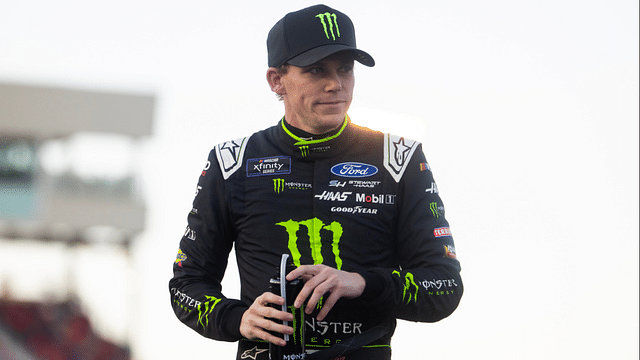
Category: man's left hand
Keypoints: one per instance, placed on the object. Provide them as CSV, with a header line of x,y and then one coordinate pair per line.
x,y
321,279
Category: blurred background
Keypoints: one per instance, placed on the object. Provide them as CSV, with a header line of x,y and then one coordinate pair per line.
x,y
528,112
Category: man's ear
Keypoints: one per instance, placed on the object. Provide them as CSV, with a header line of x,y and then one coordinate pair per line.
x,y
274,78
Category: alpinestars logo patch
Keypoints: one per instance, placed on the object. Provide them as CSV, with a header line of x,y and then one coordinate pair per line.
x,y
397,154
252,353
230,155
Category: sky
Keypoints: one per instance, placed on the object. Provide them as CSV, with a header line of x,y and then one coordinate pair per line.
x,y
528,114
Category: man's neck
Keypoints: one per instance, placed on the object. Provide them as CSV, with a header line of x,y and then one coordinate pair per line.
x,y
315,126
306,135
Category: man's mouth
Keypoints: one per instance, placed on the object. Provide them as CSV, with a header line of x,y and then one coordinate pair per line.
x,y
330,102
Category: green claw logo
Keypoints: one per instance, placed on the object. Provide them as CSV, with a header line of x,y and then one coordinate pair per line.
x,y
407,296
332,19
315,241
434,209
203,313
278,185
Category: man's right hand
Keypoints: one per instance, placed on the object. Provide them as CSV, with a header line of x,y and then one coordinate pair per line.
x,y
255,322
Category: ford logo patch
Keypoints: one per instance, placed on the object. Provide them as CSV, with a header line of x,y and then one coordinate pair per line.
x,y
354,170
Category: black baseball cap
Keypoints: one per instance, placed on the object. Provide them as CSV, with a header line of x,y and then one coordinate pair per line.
x,y
304,37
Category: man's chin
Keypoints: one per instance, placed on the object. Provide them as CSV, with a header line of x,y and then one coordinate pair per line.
x,y
328,123
332,118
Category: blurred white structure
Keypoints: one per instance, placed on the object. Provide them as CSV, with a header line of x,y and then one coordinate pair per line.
x,y
63,163
68,190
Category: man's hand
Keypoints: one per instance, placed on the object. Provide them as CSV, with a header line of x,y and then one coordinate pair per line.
x,y
321,279
255,323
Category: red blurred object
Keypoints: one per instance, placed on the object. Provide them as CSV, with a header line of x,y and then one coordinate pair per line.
x,y
56,331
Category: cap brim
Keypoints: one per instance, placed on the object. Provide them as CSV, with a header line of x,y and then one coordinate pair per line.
x,y
314,55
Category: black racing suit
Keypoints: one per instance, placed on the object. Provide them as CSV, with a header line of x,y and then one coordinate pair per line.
x,y
357,200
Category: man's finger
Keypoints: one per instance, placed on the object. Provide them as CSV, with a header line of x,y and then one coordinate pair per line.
x,y
270,298
309,288
304,271
318,292
327,306
266,336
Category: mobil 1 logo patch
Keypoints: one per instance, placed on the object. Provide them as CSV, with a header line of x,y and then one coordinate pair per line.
x,y
276,165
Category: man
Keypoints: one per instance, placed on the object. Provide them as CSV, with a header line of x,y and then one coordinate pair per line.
x,y
358,211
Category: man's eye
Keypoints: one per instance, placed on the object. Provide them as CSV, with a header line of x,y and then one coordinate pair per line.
x,y
315,70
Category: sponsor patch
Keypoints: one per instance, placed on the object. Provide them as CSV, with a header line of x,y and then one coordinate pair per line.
x,y
376,199
190,234
433,189
277,165
253,353
229,155
206,167
333,196
450,251
424,166
439,284
364,183
397,154
279,185
436,210
181,257
185,301
354,210
441,232
369,184
354,170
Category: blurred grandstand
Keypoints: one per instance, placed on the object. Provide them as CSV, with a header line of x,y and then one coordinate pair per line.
x,y
49,196
55,331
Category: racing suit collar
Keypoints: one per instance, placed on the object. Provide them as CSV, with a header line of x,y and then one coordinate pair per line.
x,y
304,138
314,148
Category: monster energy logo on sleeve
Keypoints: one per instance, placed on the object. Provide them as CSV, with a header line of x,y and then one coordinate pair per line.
x,y
434,209
408,284
332,20
315,242
203,314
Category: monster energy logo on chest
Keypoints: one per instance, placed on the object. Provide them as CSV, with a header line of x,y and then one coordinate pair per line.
x,y
332,21
314,226
278,185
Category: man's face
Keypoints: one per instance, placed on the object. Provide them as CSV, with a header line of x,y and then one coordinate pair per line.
x,y
317,97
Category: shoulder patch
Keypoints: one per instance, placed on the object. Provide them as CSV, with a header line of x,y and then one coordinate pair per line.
x,y
397,153
230,155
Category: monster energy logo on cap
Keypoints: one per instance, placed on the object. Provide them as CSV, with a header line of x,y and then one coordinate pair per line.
x,y
304,37
332,20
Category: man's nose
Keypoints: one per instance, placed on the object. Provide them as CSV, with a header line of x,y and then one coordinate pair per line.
x,y
334,82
